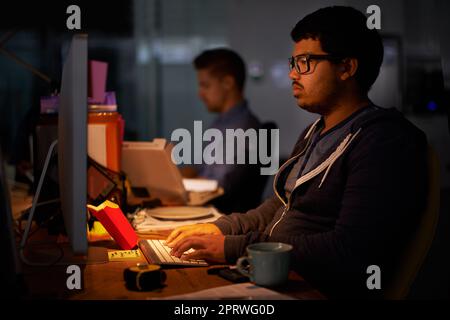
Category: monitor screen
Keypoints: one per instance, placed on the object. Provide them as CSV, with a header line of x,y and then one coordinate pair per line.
x,y
72,143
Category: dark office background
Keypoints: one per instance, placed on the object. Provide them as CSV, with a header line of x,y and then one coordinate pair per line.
x,y
149,45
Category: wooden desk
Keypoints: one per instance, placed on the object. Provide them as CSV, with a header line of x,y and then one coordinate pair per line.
x,y
105,282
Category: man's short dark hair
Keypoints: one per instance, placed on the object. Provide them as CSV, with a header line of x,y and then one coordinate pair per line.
x,y
342,31
222,62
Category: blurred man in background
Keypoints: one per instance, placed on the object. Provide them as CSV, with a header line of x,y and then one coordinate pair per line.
x,y
221,75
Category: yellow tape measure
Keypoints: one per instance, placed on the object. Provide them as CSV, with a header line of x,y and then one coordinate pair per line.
x,y
124,255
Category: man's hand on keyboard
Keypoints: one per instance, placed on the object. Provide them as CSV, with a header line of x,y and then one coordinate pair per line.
x,y
207,247
183,232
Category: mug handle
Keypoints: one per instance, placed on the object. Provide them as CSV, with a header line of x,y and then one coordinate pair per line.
x,y
240,267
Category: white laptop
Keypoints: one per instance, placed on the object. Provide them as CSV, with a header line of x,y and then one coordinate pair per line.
x,y
149,165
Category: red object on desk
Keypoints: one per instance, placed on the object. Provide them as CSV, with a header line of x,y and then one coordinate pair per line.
x,y
112,218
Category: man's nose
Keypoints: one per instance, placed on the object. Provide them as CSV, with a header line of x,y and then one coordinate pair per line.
x,y
293,74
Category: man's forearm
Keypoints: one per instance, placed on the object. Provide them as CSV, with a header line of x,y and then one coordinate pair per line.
x,y
253,220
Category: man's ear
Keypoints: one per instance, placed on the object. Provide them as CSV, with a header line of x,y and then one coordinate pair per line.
x,y
348,68
228,82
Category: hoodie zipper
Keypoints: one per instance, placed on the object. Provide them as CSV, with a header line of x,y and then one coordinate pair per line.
x,y
288,204
325,165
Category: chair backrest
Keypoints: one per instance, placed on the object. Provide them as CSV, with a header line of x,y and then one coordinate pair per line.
x,y
417,249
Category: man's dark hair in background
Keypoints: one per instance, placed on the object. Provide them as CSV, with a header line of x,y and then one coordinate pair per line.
x,y
222,62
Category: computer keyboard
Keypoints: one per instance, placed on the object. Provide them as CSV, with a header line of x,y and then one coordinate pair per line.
x,y
157,252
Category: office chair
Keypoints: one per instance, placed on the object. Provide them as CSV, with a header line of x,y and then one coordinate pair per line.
x,y
417,249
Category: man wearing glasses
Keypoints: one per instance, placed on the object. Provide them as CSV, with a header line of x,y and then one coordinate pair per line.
x,y
351,192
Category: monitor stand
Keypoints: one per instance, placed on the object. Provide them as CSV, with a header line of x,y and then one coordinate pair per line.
x,y
54,253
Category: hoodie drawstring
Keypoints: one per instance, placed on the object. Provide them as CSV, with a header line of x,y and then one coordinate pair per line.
x,y
338,153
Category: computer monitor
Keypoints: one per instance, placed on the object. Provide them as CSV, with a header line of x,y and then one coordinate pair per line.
x,y
72,160
72,143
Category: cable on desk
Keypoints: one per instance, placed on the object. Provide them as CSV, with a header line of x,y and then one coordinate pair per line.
x,y
42,264
23,242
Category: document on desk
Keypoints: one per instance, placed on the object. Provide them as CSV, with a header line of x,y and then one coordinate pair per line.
x,y
165,218
97,149
240,291
200,185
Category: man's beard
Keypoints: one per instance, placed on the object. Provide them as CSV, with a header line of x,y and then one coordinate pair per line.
x,y
323,107
313,108
319,108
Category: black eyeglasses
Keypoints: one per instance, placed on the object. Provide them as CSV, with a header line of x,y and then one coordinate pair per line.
x,y
302,65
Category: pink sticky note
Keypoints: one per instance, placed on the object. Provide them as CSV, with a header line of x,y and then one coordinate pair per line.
x,y
98,71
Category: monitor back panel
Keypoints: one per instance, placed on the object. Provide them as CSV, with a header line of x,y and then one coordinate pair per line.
x,y
149,165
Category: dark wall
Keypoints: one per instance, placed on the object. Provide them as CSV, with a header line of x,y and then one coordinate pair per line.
x,y
99,16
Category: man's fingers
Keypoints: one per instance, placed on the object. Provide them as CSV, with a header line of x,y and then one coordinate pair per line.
x,y
183,235
197,254
206,247
173,235
172,238
186,244
181,246
178,238
174,242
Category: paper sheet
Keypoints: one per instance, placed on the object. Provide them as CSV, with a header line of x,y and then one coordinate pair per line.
x,y
200,185
97,143
241,291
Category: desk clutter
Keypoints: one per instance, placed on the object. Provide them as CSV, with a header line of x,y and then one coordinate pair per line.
x,y
166,218
112,218
149,165
114,223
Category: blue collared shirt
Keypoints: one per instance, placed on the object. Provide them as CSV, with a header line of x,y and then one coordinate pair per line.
x,y
238,117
